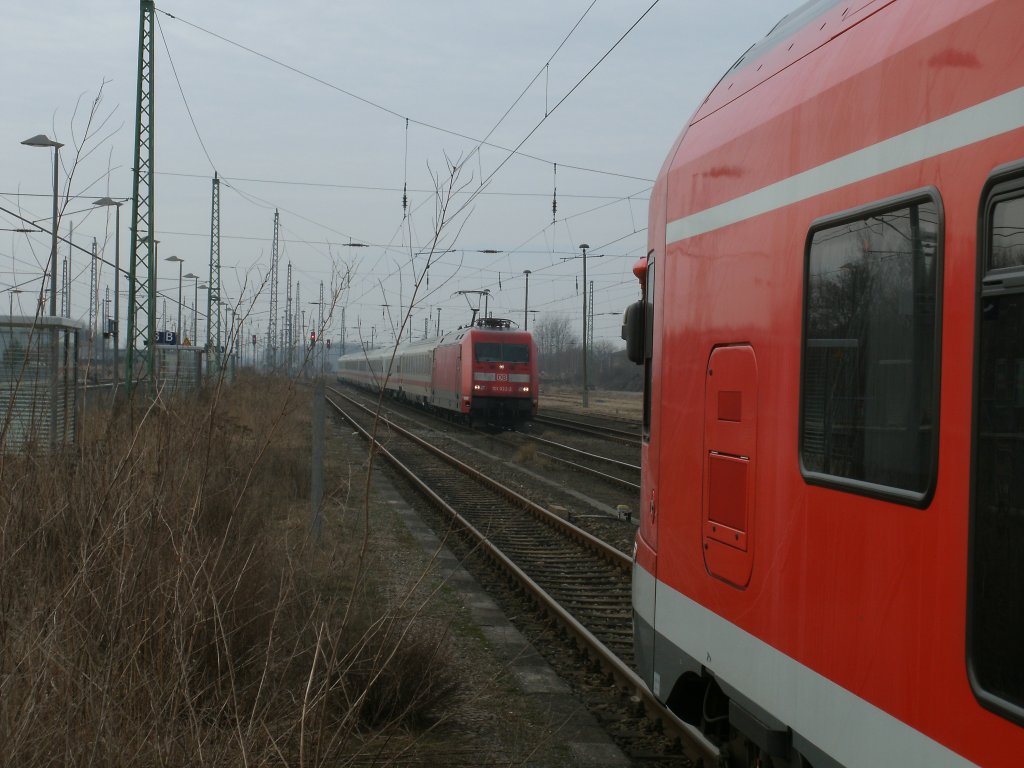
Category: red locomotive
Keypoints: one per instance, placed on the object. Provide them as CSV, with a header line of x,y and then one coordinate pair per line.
x,y
828,569
485,373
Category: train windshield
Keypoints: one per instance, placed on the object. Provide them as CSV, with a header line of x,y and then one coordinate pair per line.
x,y
494,352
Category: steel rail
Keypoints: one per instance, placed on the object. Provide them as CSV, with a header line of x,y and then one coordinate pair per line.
x,y
609,433
577,451
609,552
626,678
591,471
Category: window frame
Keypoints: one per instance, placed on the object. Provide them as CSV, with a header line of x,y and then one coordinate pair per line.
x,y
917,499
650,305
1000,185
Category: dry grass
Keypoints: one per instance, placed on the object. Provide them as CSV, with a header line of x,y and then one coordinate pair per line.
x,y
621,405
160,603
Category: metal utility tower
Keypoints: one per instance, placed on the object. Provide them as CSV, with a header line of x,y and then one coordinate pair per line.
x,y
213,324
272,320
93,298
289,330
141,287
586,382
65,284
321,318
590,332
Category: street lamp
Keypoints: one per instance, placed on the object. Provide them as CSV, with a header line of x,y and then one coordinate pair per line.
x,y
526,304
195,309
41,140
586,398
205,287
106,201
178,327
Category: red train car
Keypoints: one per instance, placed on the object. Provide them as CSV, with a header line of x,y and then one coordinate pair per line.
x,y
485,373
828,566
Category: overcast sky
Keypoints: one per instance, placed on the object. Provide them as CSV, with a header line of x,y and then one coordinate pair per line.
x,y
328,144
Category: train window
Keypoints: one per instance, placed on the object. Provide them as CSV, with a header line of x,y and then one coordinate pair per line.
x,y
869,389
996,591
1007,235
494,352
487,352
515,353
648,343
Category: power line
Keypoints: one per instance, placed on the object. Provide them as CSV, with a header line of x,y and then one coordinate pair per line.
x,y
530,84
181,90
559,103
365,187
392,112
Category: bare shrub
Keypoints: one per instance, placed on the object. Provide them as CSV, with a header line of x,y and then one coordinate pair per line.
x,y
161,604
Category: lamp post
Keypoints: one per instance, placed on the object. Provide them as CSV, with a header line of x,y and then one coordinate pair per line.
x,y
41,140
526,304
586,398
106,201
195,309
177,329
205,287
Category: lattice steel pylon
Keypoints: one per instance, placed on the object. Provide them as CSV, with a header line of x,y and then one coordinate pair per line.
x,y
590,329
213,329
141,287
272,320
93,300
289,330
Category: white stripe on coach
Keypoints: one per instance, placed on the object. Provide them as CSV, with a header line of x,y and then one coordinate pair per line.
x,y
840,723
982,121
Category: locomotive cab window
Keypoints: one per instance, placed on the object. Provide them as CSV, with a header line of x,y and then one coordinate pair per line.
x,y
494,352
869,381
996,590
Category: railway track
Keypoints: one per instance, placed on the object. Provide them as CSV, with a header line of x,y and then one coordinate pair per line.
x,y
615,474
615,471
577,579
616,434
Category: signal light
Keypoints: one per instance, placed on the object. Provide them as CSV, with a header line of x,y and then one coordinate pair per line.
x,y
312,338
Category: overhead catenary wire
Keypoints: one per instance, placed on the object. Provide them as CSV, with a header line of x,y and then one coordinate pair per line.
x,y
253,199
561,101
388,110
184,98
353,187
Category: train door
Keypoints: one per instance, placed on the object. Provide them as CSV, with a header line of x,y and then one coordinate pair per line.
x,y
460,389
730,434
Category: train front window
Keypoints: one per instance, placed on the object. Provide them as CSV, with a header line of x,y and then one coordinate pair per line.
x,y
487,352
870,363
515,353
996,614
494,352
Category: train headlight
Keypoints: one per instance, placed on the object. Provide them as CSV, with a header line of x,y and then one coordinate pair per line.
x,y
526,389
477,387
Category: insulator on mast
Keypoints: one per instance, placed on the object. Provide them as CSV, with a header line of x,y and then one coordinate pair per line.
x,y
405,180
554,196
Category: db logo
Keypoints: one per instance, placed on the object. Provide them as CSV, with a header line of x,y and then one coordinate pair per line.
x,y
501,377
